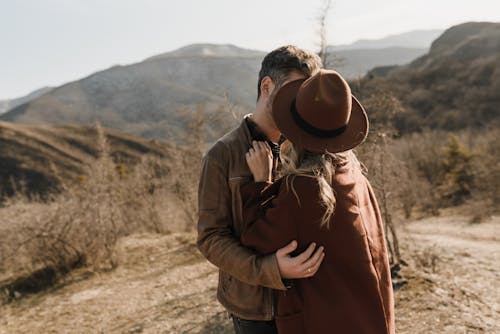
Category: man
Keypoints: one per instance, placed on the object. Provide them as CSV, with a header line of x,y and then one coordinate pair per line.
x,y
247,280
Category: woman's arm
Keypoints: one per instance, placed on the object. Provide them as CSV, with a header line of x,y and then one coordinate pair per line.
x,y
266,231
271,225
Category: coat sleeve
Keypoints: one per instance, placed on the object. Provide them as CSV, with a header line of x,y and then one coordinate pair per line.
x,y
270,222
216,240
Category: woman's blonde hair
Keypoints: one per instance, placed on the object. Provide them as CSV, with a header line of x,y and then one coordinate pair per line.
x,y
320,166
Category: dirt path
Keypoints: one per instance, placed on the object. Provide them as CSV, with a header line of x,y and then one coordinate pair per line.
x,y
163,285
454,271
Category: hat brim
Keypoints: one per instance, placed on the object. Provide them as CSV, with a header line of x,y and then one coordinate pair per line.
x,y
354,134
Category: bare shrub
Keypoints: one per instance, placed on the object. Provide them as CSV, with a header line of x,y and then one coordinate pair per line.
x,y
427,259
392,182
422,154
322,31
485,166
79,226
457,180
328,58
386,172
186,162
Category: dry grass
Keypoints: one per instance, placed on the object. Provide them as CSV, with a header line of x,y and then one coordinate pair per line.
x,y
79,225
43,241
163,285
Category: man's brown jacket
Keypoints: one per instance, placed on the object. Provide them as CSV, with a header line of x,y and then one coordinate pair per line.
x,y
246,279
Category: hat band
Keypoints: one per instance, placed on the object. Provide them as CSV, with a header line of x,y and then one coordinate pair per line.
x,y
304,125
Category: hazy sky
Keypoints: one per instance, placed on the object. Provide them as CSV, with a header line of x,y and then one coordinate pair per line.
x,y
50,42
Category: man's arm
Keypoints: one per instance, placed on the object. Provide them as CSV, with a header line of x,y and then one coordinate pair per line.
x,y
216,240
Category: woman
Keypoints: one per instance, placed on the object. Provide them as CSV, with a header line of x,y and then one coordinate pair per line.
x,y
323,197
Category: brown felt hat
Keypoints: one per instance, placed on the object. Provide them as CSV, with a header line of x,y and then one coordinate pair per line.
x,y
320,113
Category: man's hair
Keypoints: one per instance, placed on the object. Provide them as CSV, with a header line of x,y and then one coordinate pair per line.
x,y
280,62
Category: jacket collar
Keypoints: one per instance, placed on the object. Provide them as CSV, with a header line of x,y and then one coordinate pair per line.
x,y
254,133
247,135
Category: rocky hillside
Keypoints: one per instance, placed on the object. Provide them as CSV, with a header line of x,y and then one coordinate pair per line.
x,y
454,86
144,98
36,158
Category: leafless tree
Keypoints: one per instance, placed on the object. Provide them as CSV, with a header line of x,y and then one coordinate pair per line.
x,y
323,36
328,59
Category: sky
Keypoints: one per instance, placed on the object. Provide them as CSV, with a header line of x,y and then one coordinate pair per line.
x,y
51,42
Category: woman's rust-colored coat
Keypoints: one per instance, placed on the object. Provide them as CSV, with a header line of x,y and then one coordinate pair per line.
x,y
352,290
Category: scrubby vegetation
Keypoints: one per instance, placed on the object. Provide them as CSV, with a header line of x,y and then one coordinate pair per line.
x,y
79,222
414,176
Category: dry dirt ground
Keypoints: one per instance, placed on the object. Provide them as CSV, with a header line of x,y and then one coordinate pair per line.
x,y
163,285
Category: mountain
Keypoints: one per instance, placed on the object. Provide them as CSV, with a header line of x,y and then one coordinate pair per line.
x,y
145,98
210,50
456,85
148,98
5,105
468,41
417,39
355,63
356,59
27,150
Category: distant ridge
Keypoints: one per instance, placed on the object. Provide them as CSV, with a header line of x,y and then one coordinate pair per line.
x,y
454,86
355,63
419,39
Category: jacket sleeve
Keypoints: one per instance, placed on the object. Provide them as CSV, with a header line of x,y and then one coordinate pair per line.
x,y
268,229
216,240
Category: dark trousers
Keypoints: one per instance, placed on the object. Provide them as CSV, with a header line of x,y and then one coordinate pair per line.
x,y
243,326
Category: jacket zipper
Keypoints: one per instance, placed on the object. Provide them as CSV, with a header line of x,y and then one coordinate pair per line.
x,y
273,295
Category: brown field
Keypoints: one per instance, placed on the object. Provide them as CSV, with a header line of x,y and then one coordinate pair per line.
x,y
163,285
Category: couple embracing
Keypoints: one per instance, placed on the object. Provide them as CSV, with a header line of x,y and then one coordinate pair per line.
x,y
286,213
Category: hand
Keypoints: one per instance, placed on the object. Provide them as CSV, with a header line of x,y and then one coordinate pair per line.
x,y
303,265
260,161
